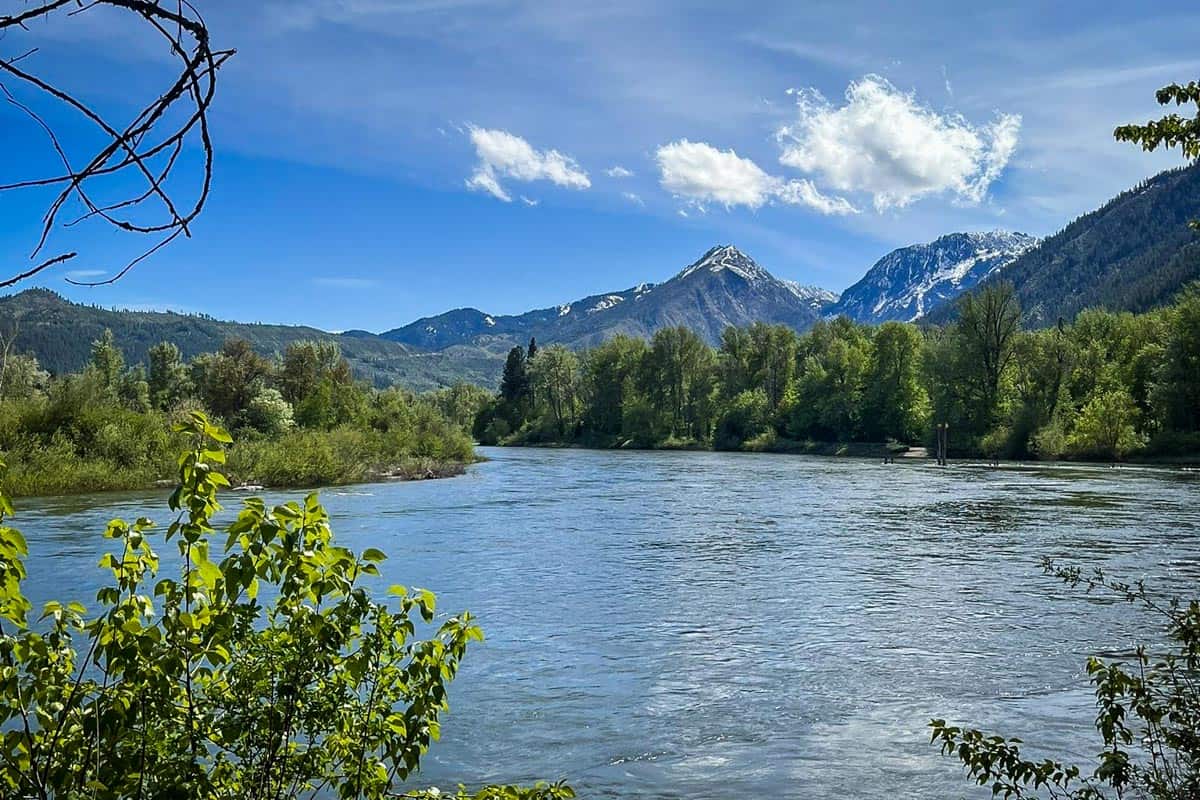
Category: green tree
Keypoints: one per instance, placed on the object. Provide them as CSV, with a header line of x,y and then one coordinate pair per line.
x,y
681,373
514,384
269,413
608,377
895,404
306,364
228,380
1172,130
461,402
1043,411
168,380
108,361
834,358
745,418
988,322
1147,713
1176,391
1106,426
203,685
555,379
22,378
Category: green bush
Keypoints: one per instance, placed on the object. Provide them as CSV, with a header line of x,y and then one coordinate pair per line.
x,y
1148,716
191,686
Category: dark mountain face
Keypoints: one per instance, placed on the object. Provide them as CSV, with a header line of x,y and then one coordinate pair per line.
x,y
1132,254
725,287
908,283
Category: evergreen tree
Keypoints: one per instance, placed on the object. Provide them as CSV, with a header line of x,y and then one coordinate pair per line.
x,y
514,385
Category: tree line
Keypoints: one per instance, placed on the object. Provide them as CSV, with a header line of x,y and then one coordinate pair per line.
x,y
301,418
1105,386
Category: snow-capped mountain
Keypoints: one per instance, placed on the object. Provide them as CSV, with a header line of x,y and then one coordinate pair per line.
x,y
817,298
724,287
910,282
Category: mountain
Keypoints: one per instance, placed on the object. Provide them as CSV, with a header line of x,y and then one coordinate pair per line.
x,y
818,299
724,287
60,334
1132,254
908,283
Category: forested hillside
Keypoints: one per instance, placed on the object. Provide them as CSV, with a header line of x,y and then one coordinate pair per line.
x,y
59,333
1133,254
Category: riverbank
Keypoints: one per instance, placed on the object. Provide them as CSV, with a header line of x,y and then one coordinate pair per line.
x,y
864,450
298,459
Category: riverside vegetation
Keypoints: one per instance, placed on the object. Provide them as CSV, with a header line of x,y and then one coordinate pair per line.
x,y
1107,386
301,419
270,672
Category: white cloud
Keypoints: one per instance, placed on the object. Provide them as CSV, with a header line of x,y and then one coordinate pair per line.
x,y
85,274
345,283
529,201
617,171
634,198
504,155
701,173
885,143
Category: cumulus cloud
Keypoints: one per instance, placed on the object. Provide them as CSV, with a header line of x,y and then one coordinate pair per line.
x,y
618,171
505,155
701,173
634,198
885,143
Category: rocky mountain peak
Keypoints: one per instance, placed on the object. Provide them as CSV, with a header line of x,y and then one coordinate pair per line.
x,y
724,258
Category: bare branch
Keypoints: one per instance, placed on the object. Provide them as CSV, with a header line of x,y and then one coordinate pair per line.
x,y
147,148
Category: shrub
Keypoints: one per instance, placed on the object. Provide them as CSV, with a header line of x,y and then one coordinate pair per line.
x,y
192,686
1148,715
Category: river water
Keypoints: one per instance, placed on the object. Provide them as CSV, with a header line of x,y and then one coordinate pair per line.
x,y
710,625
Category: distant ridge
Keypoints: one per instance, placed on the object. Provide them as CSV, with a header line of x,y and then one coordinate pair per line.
x,y
723,287
1134,253
60,334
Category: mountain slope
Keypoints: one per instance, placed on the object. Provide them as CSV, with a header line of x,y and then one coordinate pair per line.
x,y
724,287
60,334
908,283
1132,254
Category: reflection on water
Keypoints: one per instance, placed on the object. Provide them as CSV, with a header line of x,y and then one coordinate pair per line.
x,y
716,625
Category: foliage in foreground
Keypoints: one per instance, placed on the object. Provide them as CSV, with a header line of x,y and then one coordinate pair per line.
x,y
1148,715
265,672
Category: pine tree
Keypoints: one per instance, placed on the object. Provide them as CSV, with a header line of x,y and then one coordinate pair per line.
x,y
515,383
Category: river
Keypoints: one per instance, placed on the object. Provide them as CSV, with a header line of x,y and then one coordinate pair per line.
x,y
710,625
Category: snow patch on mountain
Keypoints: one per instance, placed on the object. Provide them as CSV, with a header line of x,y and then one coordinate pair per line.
x,y
728,257
815,296
608,301
908,283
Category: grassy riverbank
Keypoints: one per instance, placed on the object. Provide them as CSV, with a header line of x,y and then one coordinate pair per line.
x,y
300,459
298,421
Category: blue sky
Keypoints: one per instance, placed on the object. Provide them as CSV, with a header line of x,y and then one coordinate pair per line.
x,y
380,160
